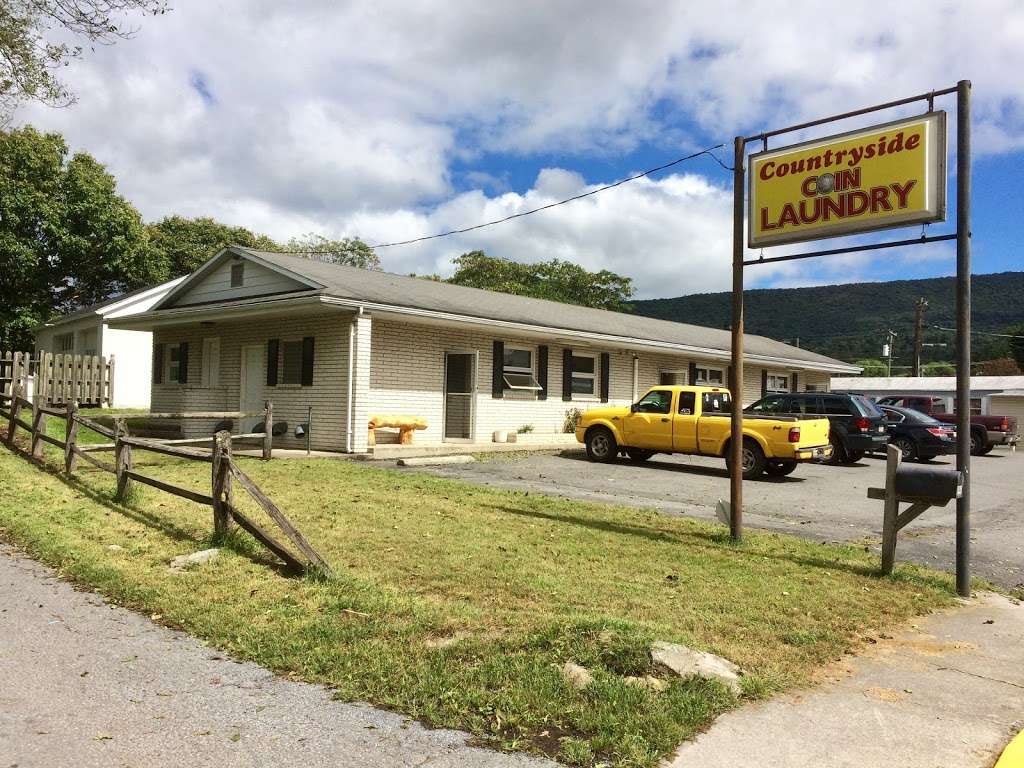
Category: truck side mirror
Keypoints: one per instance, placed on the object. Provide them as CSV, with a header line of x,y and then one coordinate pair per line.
x,y
632,407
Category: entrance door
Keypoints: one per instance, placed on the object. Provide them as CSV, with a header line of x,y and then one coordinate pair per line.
x,y
251,385
459,395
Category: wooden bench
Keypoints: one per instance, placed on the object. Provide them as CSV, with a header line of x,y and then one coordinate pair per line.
x,y
406,425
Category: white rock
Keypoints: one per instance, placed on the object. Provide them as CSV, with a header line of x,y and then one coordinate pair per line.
x,y
115,547
687,662
182,562
576,676
651,682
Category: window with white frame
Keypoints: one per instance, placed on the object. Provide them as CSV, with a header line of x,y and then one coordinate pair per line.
x,y
671,378
291,372
778,382
172,364
584,374
707,374
211,361
63,343
517,370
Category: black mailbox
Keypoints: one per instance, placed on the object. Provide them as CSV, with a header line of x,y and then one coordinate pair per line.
x,y
935,485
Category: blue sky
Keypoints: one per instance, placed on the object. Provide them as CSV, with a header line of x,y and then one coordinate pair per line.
x,y
396,120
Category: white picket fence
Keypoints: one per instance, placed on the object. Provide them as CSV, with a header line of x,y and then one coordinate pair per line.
x,y
58,379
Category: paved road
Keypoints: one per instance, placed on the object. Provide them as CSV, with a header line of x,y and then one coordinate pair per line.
x,y
824,503
84,683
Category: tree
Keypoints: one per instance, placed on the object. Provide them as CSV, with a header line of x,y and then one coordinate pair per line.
x,y
938,369
555,280
1001,366
67,238
349,251
872,367
1017,343
29,60
187,243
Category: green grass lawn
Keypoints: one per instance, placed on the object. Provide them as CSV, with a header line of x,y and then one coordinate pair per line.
x,y
457,605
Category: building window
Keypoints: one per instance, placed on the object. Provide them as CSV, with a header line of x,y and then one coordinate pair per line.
x,y
810,387
709,375
211,362
237,275
64,342
87,341
584,378
975,406
517,370
778,382
172,364
292,370
671,378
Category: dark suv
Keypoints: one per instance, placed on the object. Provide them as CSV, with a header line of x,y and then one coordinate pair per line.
x,y
857,426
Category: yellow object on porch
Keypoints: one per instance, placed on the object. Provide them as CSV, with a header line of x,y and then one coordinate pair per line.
x,y
405,425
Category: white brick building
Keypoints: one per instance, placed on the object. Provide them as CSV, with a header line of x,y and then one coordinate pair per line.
x,y
332,346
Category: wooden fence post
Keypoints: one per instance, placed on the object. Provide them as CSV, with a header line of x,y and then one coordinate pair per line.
x,y
122,458
107,371
268,429
38,428
70,437
223,494
15,410
891,510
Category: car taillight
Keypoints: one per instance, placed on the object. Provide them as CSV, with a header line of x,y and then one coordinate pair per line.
x,y
1005,426
938,431
794,434
862,424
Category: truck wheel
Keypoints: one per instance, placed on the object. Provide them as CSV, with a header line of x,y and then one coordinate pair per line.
x,y
778,468
853,457
987,449
601,445
638,455
906,448
978,442
754,461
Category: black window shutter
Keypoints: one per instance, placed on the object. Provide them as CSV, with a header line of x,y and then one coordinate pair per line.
x,y
764,382
272,350
567,374
691,379
498,370
606,369
158,363
728,382
794,386
307,361
542,371
183,362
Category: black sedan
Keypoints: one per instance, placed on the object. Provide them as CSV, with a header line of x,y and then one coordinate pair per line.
x,y
917,435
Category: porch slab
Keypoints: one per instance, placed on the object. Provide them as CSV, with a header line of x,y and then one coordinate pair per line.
x,y
389,452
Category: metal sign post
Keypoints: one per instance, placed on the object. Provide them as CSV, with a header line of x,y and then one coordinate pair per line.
x,y
794,215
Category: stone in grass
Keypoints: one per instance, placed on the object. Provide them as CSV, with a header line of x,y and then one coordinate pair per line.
x,y
578,677
650,682
183,562
687,662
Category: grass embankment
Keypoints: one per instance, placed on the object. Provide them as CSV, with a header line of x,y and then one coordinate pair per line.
x,y
457,604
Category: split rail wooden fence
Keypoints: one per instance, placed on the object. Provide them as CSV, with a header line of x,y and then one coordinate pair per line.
x,y
225,470
58,379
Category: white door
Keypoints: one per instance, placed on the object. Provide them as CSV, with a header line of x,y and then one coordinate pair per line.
x,y
251,389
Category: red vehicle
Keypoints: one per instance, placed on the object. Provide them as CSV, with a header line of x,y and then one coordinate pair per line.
x,y
986,431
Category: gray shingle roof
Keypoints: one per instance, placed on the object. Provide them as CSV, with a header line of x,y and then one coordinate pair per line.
x,y
420,293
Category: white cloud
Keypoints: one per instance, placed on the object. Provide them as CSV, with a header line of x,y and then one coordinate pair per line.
x,y
349,117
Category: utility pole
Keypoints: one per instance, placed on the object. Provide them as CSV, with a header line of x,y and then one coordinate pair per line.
x,y
887,350
922,305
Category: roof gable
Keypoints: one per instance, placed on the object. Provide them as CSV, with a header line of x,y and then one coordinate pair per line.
x,y
212,282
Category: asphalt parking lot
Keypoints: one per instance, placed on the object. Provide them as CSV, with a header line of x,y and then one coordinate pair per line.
x,y
820,502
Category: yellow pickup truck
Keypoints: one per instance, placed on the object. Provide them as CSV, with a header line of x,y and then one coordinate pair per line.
x,y
695,420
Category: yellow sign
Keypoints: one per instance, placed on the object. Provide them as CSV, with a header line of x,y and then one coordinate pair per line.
x,y
885,176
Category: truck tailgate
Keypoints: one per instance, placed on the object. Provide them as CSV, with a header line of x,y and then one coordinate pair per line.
x,y
813,432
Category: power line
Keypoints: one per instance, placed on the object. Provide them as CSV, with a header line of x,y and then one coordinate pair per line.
x,y
982,333
709,151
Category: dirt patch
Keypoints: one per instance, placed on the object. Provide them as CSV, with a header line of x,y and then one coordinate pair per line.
x,y
890,695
